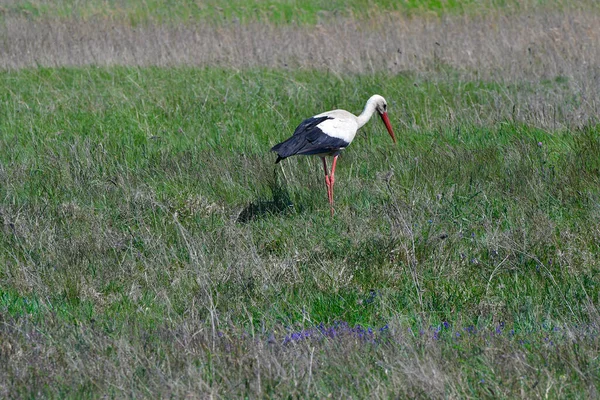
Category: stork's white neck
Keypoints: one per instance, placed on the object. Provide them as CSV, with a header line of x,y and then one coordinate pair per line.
x,y
365,116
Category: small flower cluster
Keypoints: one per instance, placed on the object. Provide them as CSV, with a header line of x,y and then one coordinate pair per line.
x,y
337,330
444,331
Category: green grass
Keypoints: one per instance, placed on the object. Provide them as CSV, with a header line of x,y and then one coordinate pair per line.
x,y
276,11
141,212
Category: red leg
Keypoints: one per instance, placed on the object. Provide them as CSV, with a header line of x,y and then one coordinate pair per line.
x,y
332,177
329,183
327,179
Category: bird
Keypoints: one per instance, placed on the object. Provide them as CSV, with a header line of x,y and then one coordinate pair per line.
x,y
328,134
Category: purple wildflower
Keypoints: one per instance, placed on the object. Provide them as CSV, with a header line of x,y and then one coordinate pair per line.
x,y
371,298
331,332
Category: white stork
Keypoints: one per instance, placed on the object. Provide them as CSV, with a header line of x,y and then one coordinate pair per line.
x,y
329,133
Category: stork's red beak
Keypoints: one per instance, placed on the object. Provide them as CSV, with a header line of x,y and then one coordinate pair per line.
x,y
386,121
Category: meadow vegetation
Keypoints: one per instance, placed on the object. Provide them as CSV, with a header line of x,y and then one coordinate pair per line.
x,y
149,247
280,12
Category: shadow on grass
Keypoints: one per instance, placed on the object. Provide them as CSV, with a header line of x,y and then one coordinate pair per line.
x,y
281,203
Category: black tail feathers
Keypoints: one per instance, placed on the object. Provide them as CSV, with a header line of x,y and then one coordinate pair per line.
x,y
285,149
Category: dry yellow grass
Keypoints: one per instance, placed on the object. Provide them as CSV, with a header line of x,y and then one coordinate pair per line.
x,y
544,44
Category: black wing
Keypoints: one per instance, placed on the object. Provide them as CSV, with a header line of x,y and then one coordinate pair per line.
x,y
310,124
308,139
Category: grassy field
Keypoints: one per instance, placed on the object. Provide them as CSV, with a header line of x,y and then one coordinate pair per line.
x,y
150,247
273,11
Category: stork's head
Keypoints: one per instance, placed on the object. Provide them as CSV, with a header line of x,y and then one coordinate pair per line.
x,y
381,107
